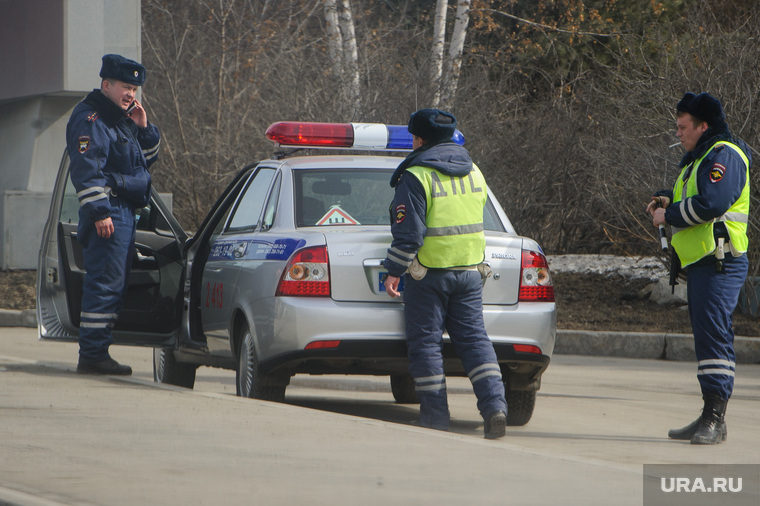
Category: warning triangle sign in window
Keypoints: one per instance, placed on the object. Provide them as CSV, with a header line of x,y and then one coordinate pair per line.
x,y
337,216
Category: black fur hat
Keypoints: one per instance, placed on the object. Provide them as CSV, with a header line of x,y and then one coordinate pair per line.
x,y
432,125
703,106
122,69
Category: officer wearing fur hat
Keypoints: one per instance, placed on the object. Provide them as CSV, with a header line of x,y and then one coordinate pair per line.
x,y
708,211
438,243
110,144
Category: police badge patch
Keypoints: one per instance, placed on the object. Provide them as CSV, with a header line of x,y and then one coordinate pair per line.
x,y
400,213
716,173
84,144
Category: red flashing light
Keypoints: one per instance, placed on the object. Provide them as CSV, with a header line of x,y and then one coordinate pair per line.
x,y
325,135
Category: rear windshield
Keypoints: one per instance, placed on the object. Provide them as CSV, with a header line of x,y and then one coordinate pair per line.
x,y
344,197
353,197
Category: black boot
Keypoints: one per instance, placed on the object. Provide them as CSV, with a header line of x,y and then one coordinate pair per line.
x,y
495,425
686,433
711,430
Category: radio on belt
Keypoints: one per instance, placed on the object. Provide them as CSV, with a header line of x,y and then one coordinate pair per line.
x,y
364,136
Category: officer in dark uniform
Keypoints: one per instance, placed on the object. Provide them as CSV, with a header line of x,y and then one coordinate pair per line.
x,y
438,241
111,144
708,211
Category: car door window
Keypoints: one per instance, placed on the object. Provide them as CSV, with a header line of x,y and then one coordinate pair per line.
x,y
250,204
69,204
269,212
491,219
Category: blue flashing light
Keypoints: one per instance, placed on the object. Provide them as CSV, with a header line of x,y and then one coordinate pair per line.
x,y
399,138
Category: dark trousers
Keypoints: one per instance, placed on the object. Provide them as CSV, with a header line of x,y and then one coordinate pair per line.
x,y
712,299
449,300
107,263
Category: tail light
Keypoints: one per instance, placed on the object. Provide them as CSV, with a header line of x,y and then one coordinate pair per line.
x,y
535,280
306,275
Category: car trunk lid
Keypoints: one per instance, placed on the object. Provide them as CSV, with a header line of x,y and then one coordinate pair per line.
x,y
356,266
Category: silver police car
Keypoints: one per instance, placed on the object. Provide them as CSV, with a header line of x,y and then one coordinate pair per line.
x,y
285,276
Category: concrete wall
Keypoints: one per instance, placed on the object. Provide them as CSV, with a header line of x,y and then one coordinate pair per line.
x,y
50,56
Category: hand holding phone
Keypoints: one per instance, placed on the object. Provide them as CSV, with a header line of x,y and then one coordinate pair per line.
x,y
137,114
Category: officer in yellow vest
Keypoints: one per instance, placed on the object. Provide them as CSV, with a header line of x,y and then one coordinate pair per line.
x,y
438,243
708,212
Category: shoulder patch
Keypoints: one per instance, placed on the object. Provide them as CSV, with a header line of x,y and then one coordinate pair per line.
x,y
716,173
400,213
84,144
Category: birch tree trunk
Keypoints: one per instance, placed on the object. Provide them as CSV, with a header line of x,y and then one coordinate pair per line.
x,y
351,60
439,40
453,64
334,37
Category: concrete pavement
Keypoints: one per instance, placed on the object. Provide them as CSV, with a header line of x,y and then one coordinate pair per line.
x,y
67,439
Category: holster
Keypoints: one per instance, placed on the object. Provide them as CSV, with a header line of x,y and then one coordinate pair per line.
x,y
417,270
675,268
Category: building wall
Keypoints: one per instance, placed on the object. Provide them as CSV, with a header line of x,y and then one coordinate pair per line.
x,y
50,53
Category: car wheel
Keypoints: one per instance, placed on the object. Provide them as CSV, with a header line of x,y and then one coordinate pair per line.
x,y
250,382
520,404
167,370
402,386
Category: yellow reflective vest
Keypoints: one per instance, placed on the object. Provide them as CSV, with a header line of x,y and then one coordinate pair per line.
x,y
454,218
696,242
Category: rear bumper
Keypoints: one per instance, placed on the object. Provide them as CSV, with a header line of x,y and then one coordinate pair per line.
x,y
372,341
299,321
521,370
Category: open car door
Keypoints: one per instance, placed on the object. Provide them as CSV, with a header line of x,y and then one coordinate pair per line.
x,y
153,306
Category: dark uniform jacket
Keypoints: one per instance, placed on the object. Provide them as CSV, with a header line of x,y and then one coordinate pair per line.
x,y
110,155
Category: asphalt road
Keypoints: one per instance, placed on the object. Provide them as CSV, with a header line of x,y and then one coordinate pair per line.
x,y
67,439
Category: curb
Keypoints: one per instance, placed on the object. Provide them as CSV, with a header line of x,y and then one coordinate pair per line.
x,y
677,347
13,318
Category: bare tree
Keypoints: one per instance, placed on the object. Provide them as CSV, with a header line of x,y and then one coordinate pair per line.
x,y
344,53
453,64
444,72
439,44
351,57
569,113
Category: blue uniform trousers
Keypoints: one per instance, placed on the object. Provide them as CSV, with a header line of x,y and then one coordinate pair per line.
x,y
712,299
450,300
107,263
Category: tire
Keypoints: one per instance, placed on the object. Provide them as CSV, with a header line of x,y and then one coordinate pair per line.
x,y
402,386
520,405
167,370
249,380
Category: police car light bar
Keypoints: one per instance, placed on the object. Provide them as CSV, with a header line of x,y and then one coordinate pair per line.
x,y
365,136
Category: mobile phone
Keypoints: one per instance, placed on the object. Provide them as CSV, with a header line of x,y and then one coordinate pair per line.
x,y
131,107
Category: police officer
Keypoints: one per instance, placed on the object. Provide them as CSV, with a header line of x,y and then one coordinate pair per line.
x,y
708,212
438,241
111,144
